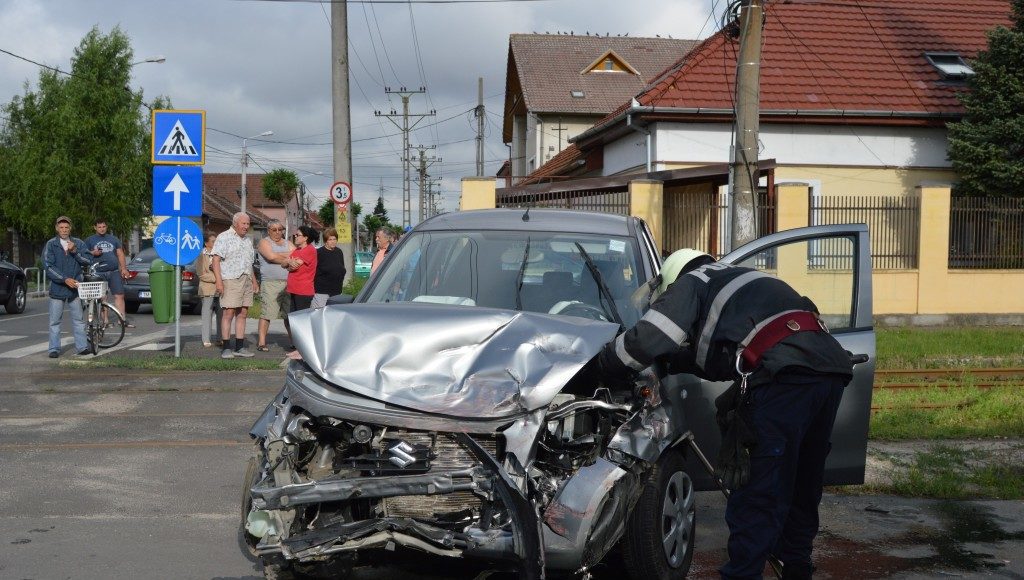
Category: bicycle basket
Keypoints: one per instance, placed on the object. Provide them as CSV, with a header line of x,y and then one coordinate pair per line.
x,y
91,290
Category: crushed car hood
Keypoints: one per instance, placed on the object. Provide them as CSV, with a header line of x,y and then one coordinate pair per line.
x,y
452,360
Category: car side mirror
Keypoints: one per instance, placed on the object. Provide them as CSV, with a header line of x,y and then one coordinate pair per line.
x,y
340,299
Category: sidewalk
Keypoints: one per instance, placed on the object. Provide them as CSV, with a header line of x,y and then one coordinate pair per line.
x,y
160,343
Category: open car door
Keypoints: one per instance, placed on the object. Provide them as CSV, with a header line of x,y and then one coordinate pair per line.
x,y
831,265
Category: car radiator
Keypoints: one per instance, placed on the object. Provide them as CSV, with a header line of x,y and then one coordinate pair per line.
x,y
450,455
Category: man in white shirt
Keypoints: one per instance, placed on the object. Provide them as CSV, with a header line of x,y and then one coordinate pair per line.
x,y
233,255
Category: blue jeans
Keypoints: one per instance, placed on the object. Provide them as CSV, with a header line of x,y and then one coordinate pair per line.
x,y
777,511
77,324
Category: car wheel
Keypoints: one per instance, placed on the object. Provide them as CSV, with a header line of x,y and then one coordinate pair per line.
x,y
16,303
131,307
252,473
659,538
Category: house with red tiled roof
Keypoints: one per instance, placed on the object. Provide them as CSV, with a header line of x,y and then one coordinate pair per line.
x,y
855,97
558,85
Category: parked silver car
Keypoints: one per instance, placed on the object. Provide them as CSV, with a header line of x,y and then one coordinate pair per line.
x,y
453,408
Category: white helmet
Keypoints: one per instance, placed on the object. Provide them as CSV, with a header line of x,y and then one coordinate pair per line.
x,y
676,264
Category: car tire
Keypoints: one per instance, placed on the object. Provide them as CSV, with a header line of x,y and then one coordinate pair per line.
x,y
245,540
131,307
657,546
16,303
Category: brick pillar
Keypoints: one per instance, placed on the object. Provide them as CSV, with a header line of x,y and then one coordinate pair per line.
x,y
647,201
478,193
933,248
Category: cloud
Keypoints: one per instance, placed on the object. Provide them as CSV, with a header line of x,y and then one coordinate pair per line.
x,y
256,65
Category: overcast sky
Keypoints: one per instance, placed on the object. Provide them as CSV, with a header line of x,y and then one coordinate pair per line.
x,y
258,65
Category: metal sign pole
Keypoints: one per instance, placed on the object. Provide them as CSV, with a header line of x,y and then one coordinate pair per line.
x,y
177,294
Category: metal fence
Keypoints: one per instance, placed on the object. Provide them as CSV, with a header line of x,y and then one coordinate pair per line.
x,y
894,222
606,201
700,220
986,233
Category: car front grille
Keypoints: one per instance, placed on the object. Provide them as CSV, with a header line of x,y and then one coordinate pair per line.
x,y
450,455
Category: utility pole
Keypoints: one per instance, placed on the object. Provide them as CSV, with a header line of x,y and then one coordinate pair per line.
x,y
425,162
342,125
405,128
744,165
480,126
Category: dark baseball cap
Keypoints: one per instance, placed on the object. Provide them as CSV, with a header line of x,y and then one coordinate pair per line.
x,y
63,218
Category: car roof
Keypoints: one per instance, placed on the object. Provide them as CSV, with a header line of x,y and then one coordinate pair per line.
x,y
543,220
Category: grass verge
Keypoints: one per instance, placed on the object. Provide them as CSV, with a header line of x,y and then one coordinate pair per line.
x,y
929,348
954,471
177,364
965,412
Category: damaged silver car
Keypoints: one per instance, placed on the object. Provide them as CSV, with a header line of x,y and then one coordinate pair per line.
x,y
453,408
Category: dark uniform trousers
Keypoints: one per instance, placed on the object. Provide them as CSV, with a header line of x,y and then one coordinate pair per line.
x,y
793,417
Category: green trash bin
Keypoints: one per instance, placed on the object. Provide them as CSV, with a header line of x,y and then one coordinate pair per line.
x,y
161,285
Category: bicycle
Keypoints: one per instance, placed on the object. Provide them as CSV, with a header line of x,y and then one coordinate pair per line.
x,y
104,324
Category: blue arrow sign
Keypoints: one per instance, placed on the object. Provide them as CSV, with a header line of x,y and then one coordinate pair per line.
x,y
179,137
177,190
178,241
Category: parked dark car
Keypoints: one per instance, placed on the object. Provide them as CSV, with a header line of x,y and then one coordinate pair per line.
x,y
454,408
137,290
13,288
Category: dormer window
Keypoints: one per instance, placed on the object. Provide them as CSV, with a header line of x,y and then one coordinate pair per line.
x,y
950,64
609,62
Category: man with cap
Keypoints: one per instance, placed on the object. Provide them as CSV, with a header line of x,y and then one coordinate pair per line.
x,y
63,258
729,323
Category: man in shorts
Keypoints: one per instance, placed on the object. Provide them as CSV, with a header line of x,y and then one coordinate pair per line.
x,y
233,255
273,253
109,253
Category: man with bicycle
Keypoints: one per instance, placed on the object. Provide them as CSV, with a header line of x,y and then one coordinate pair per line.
x,y
63,258
109,253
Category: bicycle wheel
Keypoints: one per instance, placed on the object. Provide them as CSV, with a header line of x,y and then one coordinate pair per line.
x,y
114,332
93,325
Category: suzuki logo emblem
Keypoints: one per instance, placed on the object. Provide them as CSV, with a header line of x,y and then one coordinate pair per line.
x,y
401,454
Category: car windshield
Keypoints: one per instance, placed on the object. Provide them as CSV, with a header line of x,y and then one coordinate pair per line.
x,y
483,268
364,257
147,255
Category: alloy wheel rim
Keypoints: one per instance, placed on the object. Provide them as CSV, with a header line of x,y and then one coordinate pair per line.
x,y
19,298
677,516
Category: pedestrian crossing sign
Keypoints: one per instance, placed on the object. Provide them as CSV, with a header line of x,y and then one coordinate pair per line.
x,y
179,137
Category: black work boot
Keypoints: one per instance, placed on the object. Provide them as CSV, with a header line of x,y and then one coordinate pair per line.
x,y
797,571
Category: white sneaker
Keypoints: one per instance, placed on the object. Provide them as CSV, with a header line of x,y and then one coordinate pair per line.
x,y
244,352
226,353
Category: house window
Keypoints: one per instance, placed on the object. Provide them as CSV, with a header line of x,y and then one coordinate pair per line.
x,y
609,64
577,94
949,64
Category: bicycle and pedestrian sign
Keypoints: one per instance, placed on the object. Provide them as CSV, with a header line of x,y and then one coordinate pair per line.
x,y
178,241
179,137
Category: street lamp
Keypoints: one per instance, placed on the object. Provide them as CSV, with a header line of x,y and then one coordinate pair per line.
x,y
302,196
245,162
156,59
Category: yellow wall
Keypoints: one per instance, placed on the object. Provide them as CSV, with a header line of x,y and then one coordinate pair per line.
x,y
646,201
478,193
932,288
863,180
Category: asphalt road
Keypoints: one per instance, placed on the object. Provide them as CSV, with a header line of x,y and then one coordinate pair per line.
x,y
117,474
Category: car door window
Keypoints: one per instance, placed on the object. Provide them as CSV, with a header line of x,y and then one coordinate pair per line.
x,y
823,269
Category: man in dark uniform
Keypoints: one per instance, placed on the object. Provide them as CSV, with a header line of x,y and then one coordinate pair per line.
x,y
723,322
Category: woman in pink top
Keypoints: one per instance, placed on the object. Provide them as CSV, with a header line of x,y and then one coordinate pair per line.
x,y
302,268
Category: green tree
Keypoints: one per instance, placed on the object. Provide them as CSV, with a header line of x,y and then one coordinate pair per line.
x,y
380,211
987,146
326,214
78,145
280,185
